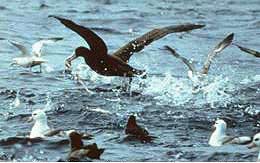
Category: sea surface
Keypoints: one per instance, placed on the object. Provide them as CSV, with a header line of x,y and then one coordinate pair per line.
x,y
163,102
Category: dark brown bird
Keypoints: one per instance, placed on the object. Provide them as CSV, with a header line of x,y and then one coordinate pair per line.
x,y
116,64
133,129
79,151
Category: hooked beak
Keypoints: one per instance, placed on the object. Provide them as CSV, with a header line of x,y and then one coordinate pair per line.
x,y
69,60
213,128
30,119
13,64
251,145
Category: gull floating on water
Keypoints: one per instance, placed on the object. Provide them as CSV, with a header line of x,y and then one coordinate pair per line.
x,y
29,60
219,137
198,76
256,144
41,128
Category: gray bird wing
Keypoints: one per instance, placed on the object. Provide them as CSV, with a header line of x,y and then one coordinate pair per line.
x,y
249,51
22,48
37,47
220,46
138,44
184,60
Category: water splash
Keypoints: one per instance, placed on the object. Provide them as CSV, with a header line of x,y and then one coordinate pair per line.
x,y
49,104
16,103
169,90
47,68
178,91
216,92
87,74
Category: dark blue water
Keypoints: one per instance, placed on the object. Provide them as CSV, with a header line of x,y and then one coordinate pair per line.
x,y
165,106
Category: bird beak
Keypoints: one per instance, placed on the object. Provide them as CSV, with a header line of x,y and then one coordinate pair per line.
x,y
213,128
30,119
251,145
13,64
69,60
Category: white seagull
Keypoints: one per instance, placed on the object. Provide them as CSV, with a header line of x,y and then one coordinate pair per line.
x,y
41,129
219,137
34,58
198,76
256,144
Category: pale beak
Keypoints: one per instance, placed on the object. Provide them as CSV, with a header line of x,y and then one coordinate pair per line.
x,y
69,60
213,127
251,145
30,119
13,64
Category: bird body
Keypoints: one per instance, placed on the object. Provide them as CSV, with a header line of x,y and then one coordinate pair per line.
x,y
79,151
134,130
29,60
40,127
256,144
198,78
116,64
219,137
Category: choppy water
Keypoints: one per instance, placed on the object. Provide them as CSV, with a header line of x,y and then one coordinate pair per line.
x,y
164,105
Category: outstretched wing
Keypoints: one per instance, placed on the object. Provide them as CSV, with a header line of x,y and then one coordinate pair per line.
x,y
36,47
184,60
125,52
22,48
95,43
220,46
250,51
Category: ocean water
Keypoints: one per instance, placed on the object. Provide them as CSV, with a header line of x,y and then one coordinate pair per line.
x,y
163,103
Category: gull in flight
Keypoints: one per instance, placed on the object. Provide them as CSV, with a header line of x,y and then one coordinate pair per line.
x,y
29,60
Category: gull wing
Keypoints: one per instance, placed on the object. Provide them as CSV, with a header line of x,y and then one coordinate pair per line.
x,y
138,44
36,47
227,139
220,46
249,51
22,48
52,132
184,60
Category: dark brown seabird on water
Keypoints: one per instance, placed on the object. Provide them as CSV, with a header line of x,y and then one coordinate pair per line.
x,y
134,130
79,151
100,61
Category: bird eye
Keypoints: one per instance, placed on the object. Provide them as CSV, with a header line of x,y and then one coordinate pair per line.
x,y
256,139
34,114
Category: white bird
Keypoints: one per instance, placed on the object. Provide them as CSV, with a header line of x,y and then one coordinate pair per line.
x,y
30,60
219,137
198,76
41,129
256,144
